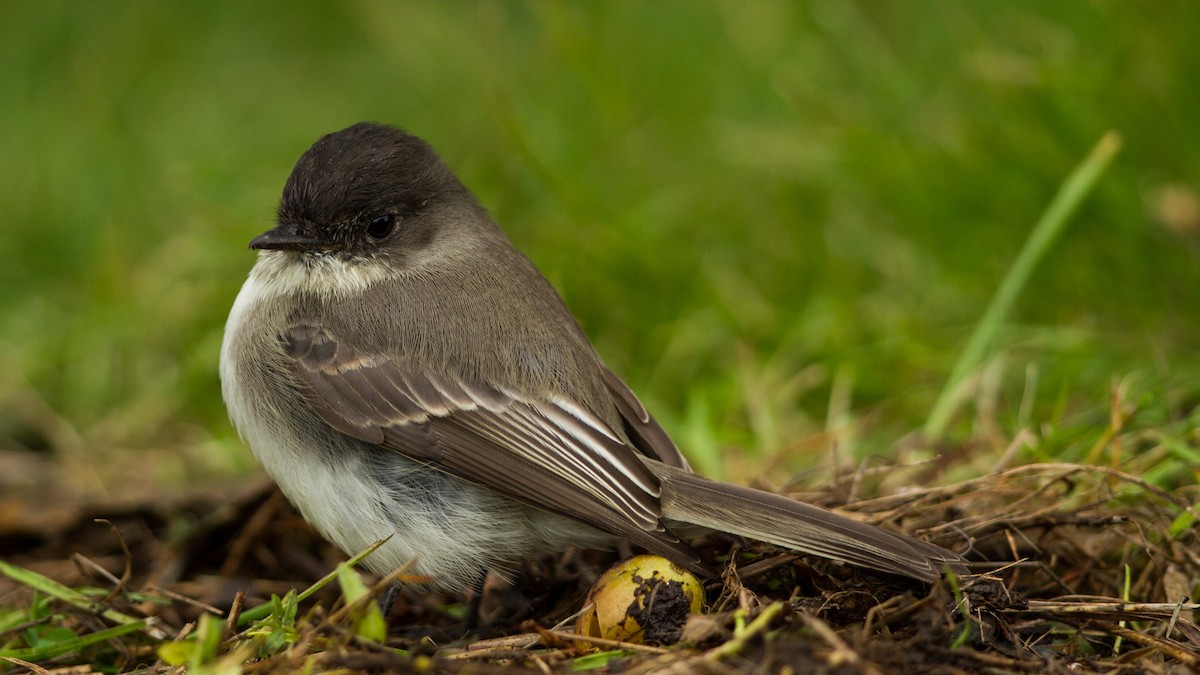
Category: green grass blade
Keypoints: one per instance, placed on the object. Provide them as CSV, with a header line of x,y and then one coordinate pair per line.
x,y
256,613
1053,221
50,651
56,590
366,617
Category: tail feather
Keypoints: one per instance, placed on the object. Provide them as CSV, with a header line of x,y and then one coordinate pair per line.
x,y
775,519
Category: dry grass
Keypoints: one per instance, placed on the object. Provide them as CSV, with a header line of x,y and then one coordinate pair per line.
x,y
1079,569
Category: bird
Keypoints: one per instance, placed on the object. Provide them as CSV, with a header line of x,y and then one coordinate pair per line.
x,y
405,374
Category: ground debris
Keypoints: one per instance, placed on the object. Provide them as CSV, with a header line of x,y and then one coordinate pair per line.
x,y
1079,569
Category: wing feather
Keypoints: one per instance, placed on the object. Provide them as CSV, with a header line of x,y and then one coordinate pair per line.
x,y
550,453
642,428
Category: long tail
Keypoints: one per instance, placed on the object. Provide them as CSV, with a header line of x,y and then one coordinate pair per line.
x,y
775,519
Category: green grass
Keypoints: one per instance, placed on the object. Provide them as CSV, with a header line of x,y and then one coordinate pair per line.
x,y
780,223
1049,228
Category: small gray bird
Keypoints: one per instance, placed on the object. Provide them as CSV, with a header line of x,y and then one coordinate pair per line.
x,y
402,370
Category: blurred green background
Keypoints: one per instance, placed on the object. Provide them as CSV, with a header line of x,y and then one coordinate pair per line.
x,y
778,220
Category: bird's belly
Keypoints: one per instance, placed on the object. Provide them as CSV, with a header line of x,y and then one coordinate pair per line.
x,y
442,528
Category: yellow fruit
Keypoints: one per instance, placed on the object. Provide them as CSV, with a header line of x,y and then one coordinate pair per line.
x,y
645,599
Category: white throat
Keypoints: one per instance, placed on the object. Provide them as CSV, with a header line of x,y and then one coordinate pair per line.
x,y
326,276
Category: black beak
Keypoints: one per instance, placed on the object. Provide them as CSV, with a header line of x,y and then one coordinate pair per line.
x,y
287,237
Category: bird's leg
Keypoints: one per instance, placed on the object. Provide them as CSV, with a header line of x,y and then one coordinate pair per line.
x,y
389,598
476,601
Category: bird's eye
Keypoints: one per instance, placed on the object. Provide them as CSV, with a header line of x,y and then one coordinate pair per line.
x,y
382,226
